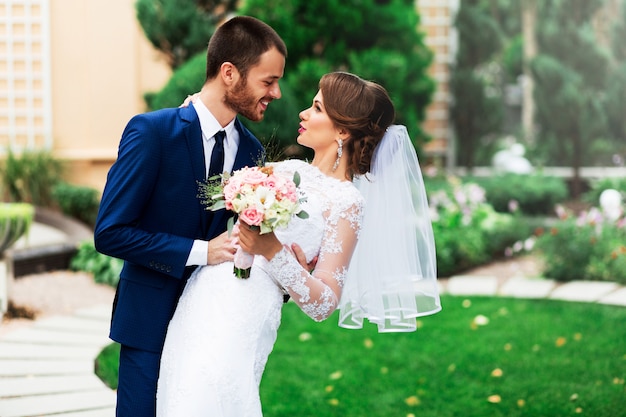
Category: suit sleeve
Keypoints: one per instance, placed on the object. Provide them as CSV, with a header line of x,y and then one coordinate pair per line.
x,y
121,228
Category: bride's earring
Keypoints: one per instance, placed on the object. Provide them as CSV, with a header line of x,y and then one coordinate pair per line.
x,y
339,153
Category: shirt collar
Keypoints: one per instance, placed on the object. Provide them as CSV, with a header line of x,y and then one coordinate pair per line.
x,y
209,124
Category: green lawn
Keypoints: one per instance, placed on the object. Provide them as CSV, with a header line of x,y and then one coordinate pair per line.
x,y
478,357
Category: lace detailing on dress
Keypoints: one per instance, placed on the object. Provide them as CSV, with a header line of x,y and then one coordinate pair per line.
x,y
288,273
286,270
335,212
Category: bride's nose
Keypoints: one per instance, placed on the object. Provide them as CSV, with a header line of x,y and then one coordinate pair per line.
x,y
303,114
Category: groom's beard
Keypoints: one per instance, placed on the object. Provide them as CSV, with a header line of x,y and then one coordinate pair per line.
x,y
243,102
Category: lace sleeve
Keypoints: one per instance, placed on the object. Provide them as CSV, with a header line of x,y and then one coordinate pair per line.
x,y
318,293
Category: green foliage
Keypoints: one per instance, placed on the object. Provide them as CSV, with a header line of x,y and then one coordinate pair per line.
x,y
477,112
323,36
105,269
187,79
543,349
477,115
570,75
468,231
107,365
181,28
597,186
586,247
577,101
15,220
77,201
579,80
534,194
30,177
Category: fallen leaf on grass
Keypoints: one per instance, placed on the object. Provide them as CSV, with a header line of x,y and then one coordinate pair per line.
x,y
304,337
494,399
412,401
336,375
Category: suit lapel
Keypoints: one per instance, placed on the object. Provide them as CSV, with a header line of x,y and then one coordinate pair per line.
x,y
193,138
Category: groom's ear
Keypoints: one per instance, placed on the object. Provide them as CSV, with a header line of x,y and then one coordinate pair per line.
x,y
229,73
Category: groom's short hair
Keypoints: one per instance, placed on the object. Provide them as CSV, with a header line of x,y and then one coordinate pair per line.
x,y
241,41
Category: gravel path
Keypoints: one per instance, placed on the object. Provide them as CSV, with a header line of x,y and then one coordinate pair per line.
x,y
54,293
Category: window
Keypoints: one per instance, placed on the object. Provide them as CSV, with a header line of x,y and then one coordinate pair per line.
x,y
25,101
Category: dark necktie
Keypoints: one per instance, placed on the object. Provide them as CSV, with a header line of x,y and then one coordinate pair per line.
x,y
216,166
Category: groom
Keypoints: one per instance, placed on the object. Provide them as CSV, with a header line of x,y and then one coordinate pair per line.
x,y
150,215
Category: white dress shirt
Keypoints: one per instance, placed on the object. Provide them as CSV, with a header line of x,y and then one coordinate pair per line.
x,y
210,126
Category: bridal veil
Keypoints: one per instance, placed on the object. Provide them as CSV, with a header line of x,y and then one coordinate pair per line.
x,y
392,278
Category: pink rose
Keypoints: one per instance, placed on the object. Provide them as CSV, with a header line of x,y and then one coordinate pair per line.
x,y
271,181
253,176
232,187
251,216
287,189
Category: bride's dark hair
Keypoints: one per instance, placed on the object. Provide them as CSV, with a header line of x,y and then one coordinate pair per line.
x,y
361,107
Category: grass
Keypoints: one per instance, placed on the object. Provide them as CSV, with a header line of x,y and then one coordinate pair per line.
x,y
478,357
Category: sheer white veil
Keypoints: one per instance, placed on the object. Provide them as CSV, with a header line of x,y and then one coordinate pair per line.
x,y
392,277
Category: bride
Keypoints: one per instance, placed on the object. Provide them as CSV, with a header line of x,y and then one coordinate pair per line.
x,y
224,328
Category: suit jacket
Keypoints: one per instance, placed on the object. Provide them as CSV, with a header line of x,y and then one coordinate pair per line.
x,y
150,215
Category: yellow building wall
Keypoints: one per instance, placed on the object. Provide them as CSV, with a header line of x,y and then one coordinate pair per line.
x,y
101,65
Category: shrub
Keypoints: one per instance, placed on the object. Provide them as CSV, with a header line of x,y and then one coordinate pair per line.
x,y
597,186
77,201
15,220
30,177
468,231
534,194
591,246
105,269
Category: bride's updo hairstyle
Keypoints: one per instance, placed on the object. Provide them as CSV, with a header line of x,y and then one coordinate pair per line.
x,y
361,107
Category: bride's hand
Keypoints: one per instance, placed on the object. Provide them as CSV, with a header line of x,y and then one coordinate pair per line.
x,y
190,99
255,243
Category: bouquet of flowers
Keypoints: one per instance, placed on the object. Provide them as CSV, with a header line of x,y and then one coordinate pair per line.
x,y
260,198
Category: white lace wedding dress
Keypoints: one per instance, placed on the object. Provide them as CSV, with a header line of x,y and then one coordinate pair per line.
x,y
224,328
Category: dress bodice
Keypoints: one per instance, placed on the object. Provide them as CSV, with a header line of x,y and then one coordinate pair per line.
x,y
327,200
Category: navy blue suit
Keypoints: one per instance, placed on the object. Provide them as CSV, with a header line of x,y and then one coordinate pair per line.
x,y
150,215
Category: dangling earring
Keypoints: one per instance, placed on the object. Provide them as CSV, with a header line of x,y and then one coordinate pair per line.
x,y
339,153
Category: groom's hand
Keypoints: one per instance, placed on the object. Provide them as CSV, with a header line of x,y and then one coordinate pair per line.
x,y
222,248
299,254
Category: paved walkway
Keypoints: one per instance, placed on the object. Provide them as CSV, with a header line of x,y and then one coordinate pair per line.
x,y
47,369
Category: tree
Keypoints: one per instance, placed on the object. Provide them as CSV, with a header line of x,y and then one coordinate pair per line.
x,y
181,28
376,39
477,111
529,19
616,83
570,72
